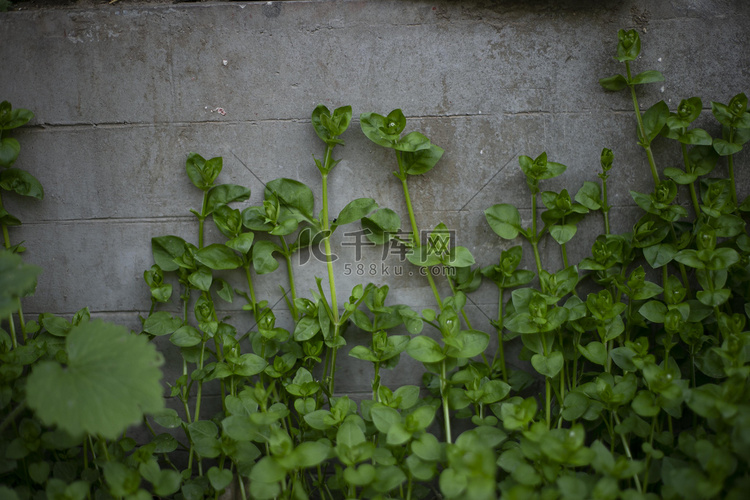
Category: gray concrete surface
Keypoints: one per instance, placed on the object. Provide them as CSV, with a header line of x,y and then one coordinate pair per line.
x,y
123,93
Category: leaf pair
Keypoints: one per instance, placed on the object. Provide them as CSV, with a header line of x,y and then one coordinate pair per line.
x,y
416,154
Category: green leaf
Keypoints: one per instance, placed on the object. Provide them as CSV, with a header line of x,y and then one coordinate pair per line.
x,y
165,249
384,417
201,279
349,434
354,211
21,182
218,256
242,243
680,176
381,225
645,404
161,323
311,453
713,298
589,195
263,259
453,483
726,148
254,218
13,118
224,194
654,119
562,234
249,364
460,257
595,352
204,435
167,418
421,161
628,45
696,137
293,195
613,83
219,478
360,476
549,365
111,379
660,254
202,172
425,350
329,126
306,328
383,131
505,220
650,76
17,280
473,343
167,482
9,151
412,142
653,311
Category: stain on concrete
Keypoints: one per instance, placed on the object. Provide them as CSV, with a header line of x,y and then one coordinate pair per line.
x,y
272,9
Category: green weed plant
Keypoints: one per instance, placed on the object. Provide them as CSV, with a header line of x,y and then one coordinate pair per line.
x,y
640,349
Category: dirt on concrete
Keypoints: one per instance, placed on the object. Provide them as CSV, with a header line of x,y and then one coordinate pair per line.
x,y
78,4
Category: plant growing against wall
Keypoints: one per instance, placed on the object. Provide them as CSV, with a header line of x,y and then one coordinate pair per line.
x,y
68,389
639,352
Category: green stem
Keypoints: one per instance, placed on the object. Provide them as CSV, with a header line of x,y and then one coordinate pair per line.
x,y
329,264
547,388
12,416
241,483
444,396
376,383
290,274
730,167
202,218
691,186
641,128
12,325
627,453
500,346
648,458
535,238
402,175
197,412
251,289
605,205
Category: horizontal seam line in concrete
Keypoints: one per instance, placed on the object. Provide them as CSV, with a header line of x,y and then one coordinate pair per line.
x,y
116,125
189,218
118,220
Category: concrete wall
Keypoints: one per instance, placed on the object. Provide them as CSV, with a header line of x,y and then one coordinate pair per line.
x,y
123,93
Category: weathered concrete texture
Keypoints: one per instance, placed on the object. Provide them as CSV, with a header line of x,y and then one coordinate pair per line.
x,y
122,94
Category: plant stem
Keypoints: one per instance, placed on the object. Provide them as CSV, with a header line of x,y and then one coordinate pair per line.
x,y
290,274
12,415
691,186
500,346
329,264
251,289
535,238
627,453
414,228
605,204
376,383
646,144
444,396
730,167
547,388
